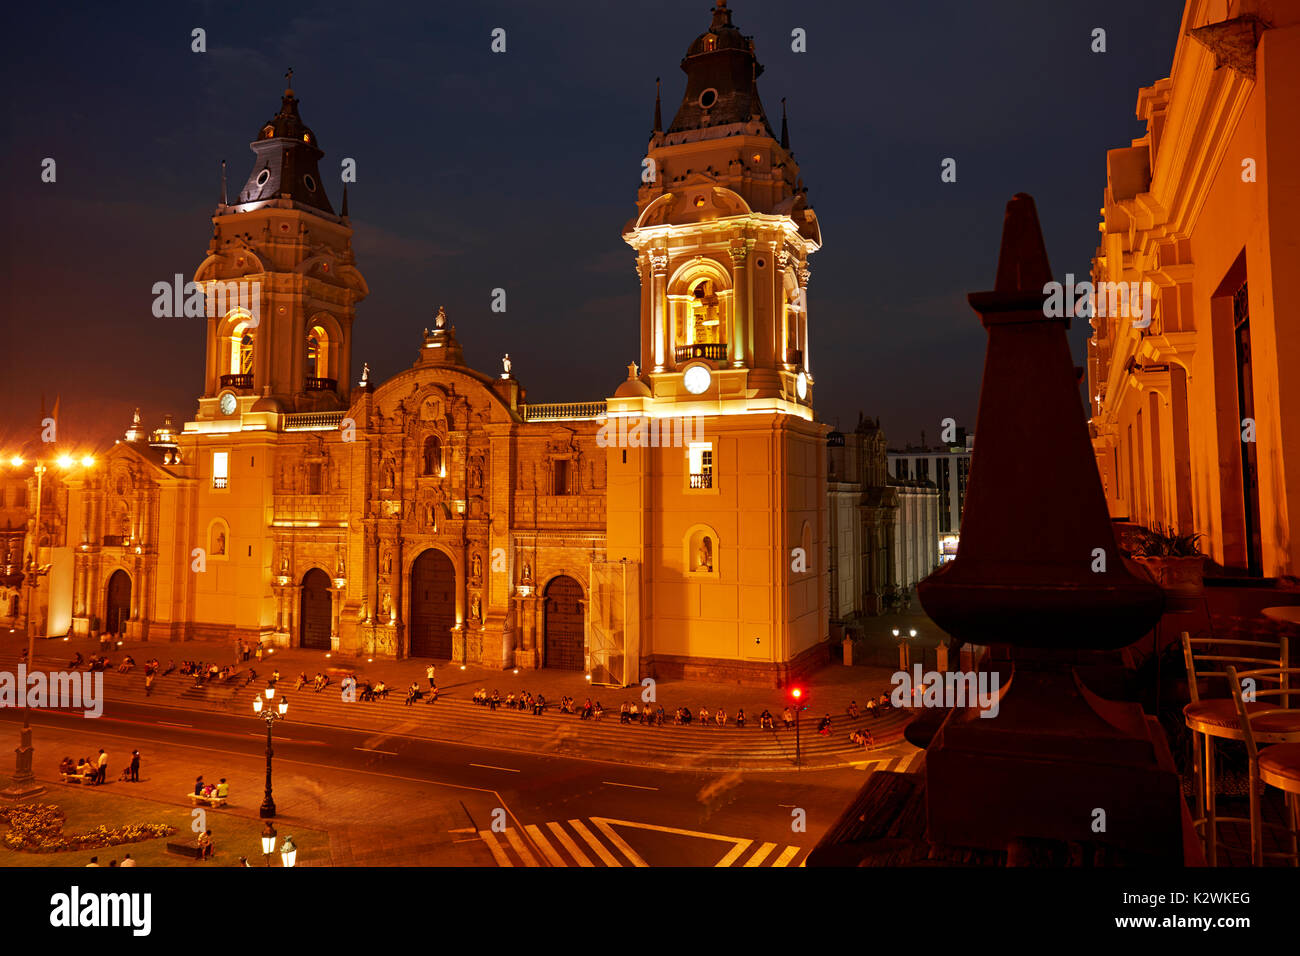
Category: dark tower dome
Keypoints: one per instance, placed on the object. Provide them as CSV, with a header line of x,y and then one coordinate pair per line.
x,y
721,79
287,154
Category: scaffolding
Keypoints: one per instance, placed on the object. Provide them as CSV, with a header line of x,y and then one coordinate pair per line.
x,y
614,624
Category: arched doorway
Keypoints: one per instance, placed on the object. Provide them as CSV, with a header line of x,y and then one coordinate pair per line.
x,y
117,609
564,624
315,611
433,605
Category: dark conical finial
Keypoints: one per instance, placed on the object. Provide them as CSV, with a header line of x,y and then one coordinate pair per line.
x,y
659,120
1022,260
344,213
785,128
223,183
288,82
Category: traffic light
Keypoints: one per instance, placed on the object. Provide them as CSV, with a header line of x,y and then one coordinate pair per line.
x,y
799,698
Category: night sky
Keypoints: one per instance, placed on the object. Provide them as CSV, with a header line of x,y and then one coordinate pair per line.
x,y
478,170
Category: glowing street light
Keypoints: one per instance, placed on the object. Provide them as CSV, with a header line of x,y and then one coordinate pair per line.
x,y
270,716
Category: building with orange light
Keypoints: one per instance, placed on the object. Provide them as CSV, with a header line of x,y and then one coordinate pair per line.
x,y
1195,423
677,528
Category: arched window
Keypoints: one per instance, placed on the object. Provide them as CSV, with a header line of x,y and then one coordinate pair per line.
x,y
318,353
433,455
705,313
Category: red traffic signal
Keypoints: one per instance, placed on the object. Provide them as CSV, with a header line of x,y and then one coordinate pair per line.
x,y
799,697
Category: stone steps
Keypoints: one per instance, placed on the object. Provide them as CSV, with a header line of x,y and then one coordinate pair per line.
x,y
456,719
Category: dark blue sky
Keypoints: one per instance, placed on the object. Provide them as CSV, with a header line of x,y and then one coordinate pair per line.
x,y
478,170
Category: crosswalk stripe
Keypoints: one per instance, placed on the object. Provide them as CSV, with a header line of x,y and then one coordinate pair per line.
x,y
569,845
633,857
906,762
535,832
605,856
760,854
788,854
498,853
524,853
734,853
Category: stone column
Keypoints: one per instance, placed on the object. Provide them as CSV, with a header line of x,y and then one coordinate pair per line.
x,y
804,276
741,320
658,301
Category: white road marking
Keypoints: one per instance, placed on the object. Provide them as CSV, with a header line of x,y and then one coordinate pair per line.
x,y
549,851
525,854
630,786
499,854
760,854
633,857
567,842
389,753
488,766
605,856
909,760
788,854
734,853
163,723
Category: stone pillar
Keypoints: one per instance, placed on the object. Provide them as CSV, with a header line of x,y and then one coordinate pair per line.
x,y
658,301
804,276
741,320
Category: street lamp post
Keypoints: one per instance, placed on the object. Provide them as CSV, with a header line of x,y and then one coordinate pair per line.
x,y
271,716
24,782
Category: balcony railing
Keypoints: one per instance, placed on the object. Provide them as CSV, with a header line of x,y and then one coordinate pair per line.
x,y
709,351
569,411
320,385
114,540
244,380
313,421
702,481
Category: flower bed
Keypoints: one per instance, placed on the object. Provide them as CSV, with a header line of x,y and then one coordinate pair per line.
x,y
38,828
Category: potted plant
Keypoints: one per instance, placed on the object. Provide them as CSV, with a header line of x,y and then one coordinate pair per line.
x,y
1172,559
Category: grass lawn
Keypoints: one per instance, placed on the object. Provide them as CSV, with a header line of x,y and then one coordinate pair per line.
x,y
234,836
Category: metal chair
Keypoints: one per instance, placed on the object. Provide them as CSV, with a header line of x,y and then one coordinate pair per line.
x,y
1278,763
1207,658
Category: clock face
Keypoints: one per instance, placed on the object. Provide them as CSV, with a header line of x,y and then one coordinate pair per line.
x,y
228,404
801,386
697,379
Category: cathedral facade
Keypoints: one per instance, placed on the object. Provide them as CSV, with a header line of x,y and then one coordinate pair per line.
x,y
677,528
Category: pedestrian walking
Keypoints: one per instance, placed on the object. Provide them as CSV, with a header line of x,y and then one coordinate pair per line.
x,y
428,672
135,766
148,684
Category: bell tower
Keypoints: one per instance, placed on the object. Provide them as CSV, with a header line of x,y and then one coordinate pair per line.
x,y
722,239
716,464
280,282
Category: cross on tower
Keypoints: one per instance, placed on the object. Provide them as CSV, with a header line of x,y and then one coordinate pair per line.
x,y
288,77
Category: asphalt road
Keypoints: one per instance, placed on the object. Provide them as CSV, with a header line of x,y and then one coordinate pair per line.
x,y
558,811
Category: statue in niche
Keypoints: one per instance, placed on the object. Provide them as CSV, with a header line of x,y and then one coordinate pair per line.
x,y
527,574
388,606
219,545
476,608
476,567
387,564
476,475
388,475
704,555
